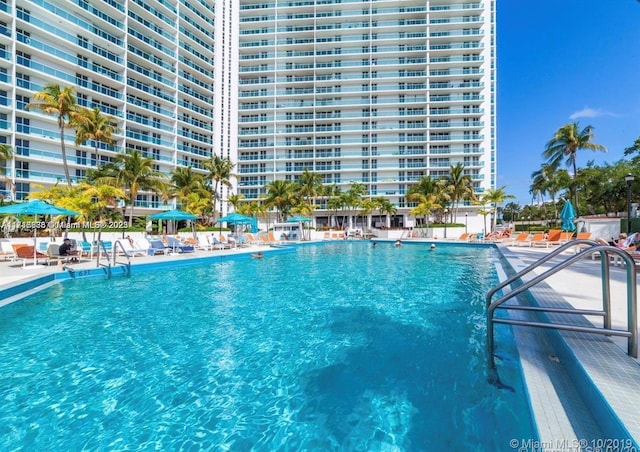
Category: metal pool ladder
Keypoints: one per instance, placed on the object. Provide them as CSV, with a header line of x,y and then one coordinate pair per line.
x,y
126,266
594,247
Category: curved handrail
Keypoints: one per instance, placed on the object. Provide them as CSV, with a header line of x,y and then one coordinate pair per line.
x,y
536,264
632,312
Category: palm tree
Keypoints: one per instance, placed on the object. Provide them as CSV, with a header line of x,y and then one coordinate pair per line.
x,y
6,154
235,201
135,172
385,207
426,204
62,103
280,194
496,197
190,190
353,197
220,172
310,185
459,187
91,124
566,143
549,179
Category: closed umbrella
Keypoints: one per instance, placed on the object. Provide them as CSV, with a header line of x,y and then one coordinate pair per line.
x,y
568,215
36,207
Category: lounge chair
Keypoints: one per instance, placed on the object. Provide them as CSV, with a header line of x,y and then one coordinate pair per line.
x,y
86,249
584,236
242,241
130,249
217,244
197,244
227,241
565,237
53,254
263,239
553,238
521,239
251,240
273,239
156,247
28,253
176,246
6,251
464,237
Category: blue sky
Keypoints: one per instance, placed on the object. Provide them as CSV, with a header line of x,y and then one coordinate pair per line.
x,y
562,61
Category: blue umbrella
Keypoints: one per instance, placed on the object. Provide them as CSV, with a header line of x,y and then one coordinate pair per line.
x,y
567,215
299,219
235,218
36,207
173,215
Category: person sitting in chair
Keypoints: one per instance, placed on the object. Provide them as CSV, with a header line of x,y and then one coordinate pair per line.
x,y
66,249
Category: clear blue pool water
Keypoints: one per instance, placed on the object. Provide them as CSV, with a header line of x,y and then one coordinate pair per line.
x,y
333,347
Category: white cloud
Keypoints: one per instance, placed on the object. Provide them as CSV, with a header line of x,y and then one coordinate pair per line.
x,y
587,112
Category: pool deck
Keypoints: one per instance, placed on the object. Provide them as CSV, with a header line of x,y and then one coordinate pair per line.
x,y
616,376
562,405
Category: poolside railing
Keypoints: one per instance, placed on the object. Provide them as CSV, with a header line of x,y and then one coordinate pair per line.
x,y
632,311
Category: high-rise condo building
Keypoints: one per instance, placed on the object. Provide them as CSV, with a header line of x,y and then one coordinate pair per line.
x,y
380,93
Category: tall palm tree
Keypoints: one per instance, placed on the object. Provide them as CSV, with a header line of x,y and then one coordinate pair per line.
x,y
459,187
135,172
566,143
6,154
61,103
496,197
220,172
92,124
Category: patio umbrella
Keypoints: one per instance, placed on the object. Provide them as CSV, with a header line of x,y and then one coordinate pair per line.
x,y
235,218
299,219
567,215
175,215
36,207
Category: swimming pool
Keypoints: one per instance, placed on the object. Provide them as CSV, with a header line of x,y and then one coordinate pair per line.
x,y
334,347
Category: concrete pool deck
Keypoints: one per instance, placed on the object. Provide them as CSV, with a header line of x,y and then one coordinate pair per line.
x,y
560,409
